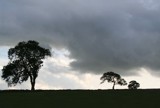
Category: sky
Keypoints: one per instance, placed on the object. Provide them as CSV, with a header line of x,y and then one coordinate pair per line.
x,y
87,38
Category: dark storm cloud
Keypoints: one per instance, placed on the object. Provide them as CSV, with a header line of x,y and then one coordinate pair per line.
x,y
101,35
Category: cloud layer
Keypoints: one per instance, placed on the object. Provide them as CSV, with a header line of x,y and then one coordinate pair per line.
x,y
100,35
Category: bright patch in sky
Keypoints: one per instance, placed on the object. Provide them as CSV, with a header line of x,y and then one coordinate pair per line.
x,y
61,57
3,56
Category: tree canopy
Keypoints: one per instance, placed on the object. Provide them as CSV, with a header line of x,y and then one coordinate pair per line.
x,y
25,62
133,84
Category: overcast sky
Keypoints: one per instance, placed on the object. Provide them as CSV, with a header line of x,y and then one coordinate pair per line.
x,y
88,38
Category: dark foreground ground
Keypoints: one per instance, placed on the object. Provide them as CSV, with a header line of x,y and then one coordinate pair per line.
x,y
80,99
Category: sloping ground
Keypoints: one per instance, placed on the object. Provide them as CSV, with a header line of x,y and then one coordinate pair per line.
x,y
80,99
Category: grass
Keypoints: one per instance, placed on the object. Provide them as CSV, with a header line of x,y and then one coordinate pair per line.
x,y
80,99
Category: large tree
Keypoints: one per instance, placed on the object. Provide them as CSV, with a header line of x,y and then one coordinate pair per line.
x,y
25,62
113,78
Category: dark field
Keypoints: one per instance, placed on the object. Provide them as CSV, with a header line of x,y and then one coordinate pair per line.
x,y
80,99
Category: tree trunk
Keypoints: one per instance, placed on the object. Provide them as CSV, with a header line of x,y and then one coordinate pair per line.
x,y
113,85
32,83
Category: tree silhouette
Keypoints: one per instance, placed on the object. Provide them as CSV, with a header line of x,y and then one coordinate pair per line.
x,y
114,78
25,62
133,84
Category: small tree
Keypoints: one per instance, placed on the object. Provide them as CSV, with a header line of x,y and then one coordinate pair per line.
x,y
133,84
113,78
25,62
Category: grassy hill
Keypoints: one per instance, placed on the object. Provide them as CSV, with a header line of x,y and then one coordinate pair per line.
x,y
80,99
